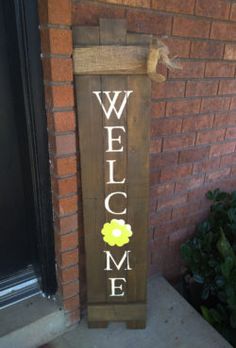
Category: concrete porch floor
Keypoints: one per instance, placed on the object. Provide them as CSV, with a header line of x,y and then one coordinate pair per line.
x,y
172,322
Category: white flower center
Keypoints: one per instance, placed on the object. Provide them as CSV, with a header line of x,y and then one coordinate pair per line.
x,y
116,232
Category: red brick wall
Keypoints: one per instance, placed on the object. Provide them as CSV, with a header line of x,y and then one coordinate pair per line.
x,y
193,116
56,45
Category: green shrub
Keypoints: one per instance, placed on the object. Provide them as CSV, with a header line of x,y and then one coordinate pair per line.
x,y
210,258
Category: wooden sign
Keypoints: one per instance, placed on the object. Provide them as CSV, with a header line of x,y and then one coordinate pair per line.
x,y
113,123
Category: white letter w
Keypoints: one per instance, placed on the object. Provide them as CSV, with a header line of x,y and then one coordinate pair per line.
x,y
112,102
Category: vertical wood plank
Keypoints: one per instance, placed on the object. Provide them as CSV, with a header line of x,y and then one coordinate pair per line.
x,y
132,164
114,32
138,188
92,172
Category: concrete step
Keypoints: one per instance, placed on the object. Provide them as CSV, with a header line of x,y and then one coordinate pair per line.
x,y
172,323
31,323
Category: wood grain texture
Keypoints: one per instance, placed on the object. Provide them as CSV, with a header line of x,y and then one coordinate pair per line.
x,y
117,312
114,32
113,56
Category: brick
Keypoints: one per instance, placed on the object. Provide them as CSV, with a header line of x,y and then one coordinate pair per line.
x,y
164,189
187,27
65,166
223,31
59,96
173,172
213,8
198,193
189,184
227,87
133,3
224,119
178,142
64,144
212,136
67,241
71,304
215,104
233,172
189,69
68,274
150,23
69,290
233,12
227,160
61,121
232,119
65,186
56,41
207,165
155,145
222,149
207,49
69,258
158,109
165,126
178,47
197,122
160,216
221,119
168,89
178,6
163,159
186,210
230,133
66,205
170,202
66,224
233,103
155,177
89,14
57,69
55,12
201,88
214,69
230,52
192,155
183,107
218,175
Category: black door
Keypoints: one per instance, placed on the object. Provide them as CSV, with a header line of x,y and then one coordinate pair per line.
x,y
26,234
17,223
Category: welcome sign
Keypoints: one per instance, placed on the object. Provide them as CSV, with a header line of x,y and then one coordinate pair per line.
x,y
113,124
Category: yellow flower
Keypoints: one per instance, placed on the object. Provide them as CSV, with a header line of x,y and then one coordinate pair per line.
x,y
116,232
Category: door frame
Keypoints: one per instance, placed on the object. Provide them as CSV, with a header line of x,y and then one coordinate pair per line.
x,y
27,27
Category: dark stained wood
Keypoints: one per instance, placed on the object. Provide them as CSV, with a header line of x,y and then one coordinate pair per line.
x,y
117,312
132,164
114,32
90,125
138,188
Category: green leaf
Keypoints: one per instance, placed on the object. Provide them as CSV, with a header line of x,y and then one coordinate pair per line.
x,y
224,246
199,279
220,281
227,266
233,319
205,293
186,252
215,315
206,314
